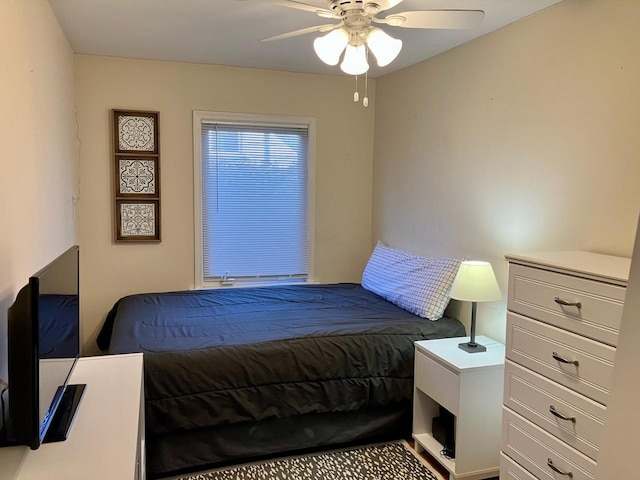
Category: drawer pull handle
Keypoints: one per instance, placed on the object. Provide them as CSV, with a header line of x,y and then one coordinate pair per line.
x,y
564,303
557,470
564,360
553,411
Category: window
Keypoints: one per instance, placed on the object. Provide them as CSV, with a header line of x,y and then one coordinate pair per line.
x,y
254,200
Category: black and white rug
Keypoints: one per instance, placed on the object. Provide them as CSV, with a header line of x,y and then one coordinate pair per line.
x,y
389,461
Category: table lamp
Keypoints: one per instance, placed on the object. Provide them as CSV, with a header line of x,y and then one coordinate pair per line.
x,y
475,282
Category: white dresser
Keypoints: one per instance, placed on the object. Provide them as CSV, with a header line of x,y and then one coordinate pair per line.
x,y
563,317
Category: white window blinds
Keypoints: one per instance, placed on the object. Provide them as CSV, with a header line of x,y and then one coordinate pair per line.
x,y
254,202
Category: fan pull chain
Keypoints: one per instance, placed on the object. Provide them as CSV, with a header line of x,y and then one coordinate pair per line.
x,y
365,100
356,95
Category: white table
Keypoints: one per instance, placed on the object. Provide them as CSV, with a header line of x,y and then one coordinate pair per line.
x,y
469,385
107,437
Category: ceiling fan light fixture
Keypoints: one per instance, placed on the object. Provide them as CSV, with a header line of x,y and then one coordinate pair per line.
x,y
355,60
383,46
330,46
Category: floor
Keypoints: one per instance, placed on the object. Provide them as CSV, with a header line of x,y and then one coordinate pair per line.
x,y
435,467
438,469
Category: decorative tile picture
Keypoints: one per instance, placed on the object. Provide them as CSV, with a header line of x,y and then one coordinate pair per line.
x,y
137,176
138,221
136,131
136,166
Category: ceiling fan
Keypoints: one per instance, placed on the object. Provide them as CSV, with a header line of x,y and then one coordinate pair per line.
x,y
355,35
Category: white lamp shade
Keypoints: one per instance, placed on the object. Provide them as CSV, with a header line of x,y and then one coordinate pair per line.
x,y
355,60
384,47
475,282
330,47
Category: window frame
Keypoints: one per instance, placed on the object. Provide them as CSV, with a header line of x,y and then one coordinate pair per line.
x,y
251,119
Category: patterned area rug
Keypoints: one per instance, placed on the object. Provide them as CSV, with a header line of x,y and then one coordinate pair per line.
x,y
390,461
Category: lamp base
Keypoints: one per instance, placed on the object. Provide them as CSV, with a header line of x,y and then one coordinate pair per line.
x,y
470,347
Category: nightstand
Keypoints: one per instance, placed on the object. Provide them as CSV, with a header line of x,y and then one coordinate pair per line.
x,y
468,386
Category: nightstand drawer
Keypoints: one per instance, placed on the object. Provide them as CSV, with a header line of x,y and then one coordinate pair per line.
x,y
537,398
437,381
576,362
539,294
510,470
540,453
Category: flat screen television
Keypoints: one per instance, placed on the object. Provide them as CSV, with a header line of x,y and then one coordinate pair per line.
x,y
43,334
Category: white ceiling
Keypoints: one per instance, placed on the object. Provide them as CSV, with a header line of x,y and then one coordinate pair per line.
x,y
228,32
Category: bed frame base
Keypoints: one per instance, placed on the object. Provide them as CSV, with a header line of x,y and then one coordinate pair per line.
x,y
204,449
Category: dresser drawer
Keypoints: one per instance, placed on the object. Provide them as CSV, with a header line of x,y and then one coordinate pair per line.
x,y
539,452
533,292
541,348
437,381
536,398
510,470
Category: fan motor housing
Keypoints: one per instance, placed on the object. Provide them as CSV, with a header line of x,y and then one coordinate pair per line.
x,y
343,6
356,14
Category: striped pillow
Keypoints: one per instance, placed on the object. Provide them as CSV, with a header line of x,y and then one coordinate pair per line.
x,y
417,284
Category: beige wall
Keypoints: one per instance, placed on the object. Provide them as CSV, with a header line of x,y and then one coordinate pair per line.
x,y
39,153
523,140
343,168
38,160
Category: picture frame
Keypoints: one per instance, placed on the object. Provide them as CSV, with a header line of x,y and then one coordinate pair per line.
x,y
136,131
137,220
136,176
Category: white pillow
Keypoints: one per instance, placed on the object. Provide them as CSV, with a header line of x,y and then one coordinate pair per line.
x,y
420,285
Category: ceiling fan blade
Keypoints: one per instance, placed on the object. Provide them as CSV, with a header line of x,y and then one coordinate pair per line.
x,y
303,31
322,12
449,19
387,4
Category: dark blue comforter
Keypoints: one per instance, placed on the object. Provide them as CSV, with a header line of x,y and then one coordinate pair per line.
x,y
227,356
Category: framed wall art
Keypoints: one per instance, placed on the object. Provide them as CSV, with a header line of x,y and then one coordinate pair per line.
x,y
136,132
137,220
136,166
137,177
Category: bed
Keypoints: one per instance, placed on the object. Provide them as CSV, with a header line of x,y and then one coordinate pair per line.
x,y
232,374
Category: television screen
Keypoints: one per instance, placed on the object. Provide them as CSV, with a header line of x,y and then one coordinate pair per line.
x,y
58,331
43,345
